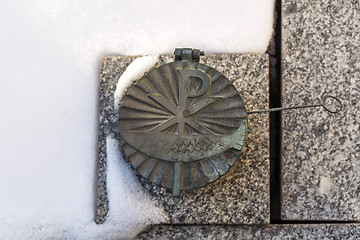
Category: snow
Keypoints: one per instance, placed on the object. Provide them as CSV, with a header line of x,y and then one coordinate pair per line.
x,y
326,184
133,72
49,66
129,193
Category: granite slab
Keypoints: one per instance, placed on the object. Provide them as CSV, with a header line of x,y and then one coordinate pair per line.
x,y
275,232
321,151
241,196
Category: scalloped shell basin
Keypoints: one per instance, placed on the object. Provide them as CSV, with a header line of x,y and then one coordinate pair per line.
x,y
187,113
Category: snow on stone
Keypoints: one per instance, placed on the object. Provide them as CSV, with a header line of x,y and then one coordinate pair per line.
x,y
49,66
133,72
141,210
326,185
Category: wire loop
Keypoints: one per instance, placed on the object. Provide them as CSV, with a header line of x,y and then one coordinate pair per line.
x,y
322,104
326,107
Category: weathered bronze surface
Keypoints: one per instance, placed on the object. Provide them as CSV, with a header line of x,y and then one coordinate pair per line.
x,y
179,121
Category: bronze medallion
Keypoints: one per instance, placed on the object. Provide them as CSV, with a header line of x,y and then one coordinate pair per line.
x,y
183,123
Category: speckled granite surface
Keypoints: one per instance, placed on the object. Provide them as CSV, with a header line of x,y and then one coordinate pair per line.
x,y
241,196
275,232
321,151
111,69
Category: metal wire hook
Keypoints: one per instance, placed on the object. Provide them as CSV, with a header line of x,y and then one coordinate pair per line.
x,y
325,106
322,104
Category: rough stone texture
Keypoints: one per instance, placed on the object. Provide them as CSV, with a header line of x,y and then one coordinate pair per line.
x,y
240,196
111,69
321,151
279,232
